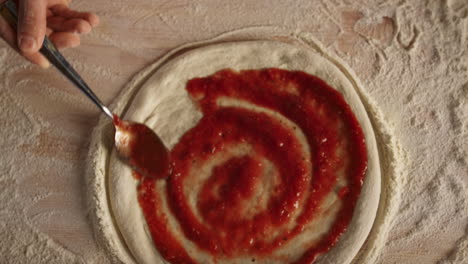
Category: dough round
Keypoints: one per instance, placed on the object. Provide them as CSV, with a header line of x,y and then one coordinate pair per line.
x,y
164,105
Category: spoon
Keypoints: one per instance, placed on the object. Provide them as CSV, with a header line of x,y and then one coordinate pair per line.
x,y
136,144
141,148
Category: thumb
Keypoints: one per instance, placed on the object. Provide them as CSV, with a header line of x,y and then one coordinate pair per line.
x,y
31,25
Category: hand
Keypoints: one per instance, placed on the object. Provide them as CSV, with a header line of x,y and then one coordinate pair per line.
x,y
37,18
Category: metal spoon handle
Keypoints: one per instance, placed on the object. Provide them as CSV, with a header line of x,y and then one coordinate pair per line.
x,y
53,55
48,49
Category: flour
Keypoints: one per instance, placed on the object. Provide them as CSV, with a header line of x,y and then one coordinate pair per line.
x,y
415,73
21,241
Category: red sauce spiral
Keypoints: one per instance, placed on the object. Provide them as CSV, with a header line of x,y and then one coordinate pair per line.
x,y
229,216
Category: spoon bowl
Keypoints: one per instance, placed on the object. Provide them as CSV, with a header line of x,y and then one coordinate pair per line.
x,y
141,149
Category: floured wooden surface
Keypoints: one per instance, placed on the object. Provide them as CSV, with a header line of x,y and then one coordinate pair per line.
x,y
411,57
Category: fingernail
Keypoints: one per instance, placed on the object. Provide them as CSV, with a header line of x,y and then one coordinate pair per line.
x,y
27,44
44,64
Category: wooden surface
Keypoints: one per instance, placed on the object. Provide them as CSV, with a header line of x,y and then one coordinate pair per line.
x,y
130,37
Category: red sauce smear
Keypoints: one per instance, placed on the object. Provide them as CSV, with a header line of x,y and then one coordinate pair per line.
x,y
143,149
226,230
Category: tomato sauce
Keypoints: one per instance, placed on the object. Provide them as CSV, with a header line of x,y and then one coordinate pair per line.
x,y
334,139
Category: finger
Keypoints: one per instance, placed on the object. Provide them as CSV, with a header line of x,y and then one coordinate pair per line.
x,y
64,11
51,3
63,40
9,35
38,58
31,25
78,25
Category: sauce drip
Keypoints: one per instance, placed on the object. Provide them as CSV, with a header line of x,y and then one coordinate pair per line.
x,y
229,217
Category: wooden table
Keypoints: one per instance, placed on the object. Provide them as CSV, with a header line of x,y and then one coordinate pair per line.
x,y
53,121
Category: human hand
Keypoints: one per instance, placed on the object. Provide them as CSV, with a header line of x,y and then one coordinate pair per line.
x,y
37,18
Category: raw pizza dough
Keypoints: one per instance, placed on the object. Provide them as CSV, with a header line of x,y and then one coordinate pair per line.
x,y
163,104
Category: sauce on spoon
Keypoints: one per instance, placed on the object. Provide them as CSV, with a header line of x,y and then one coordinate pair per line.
x,y
141,148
